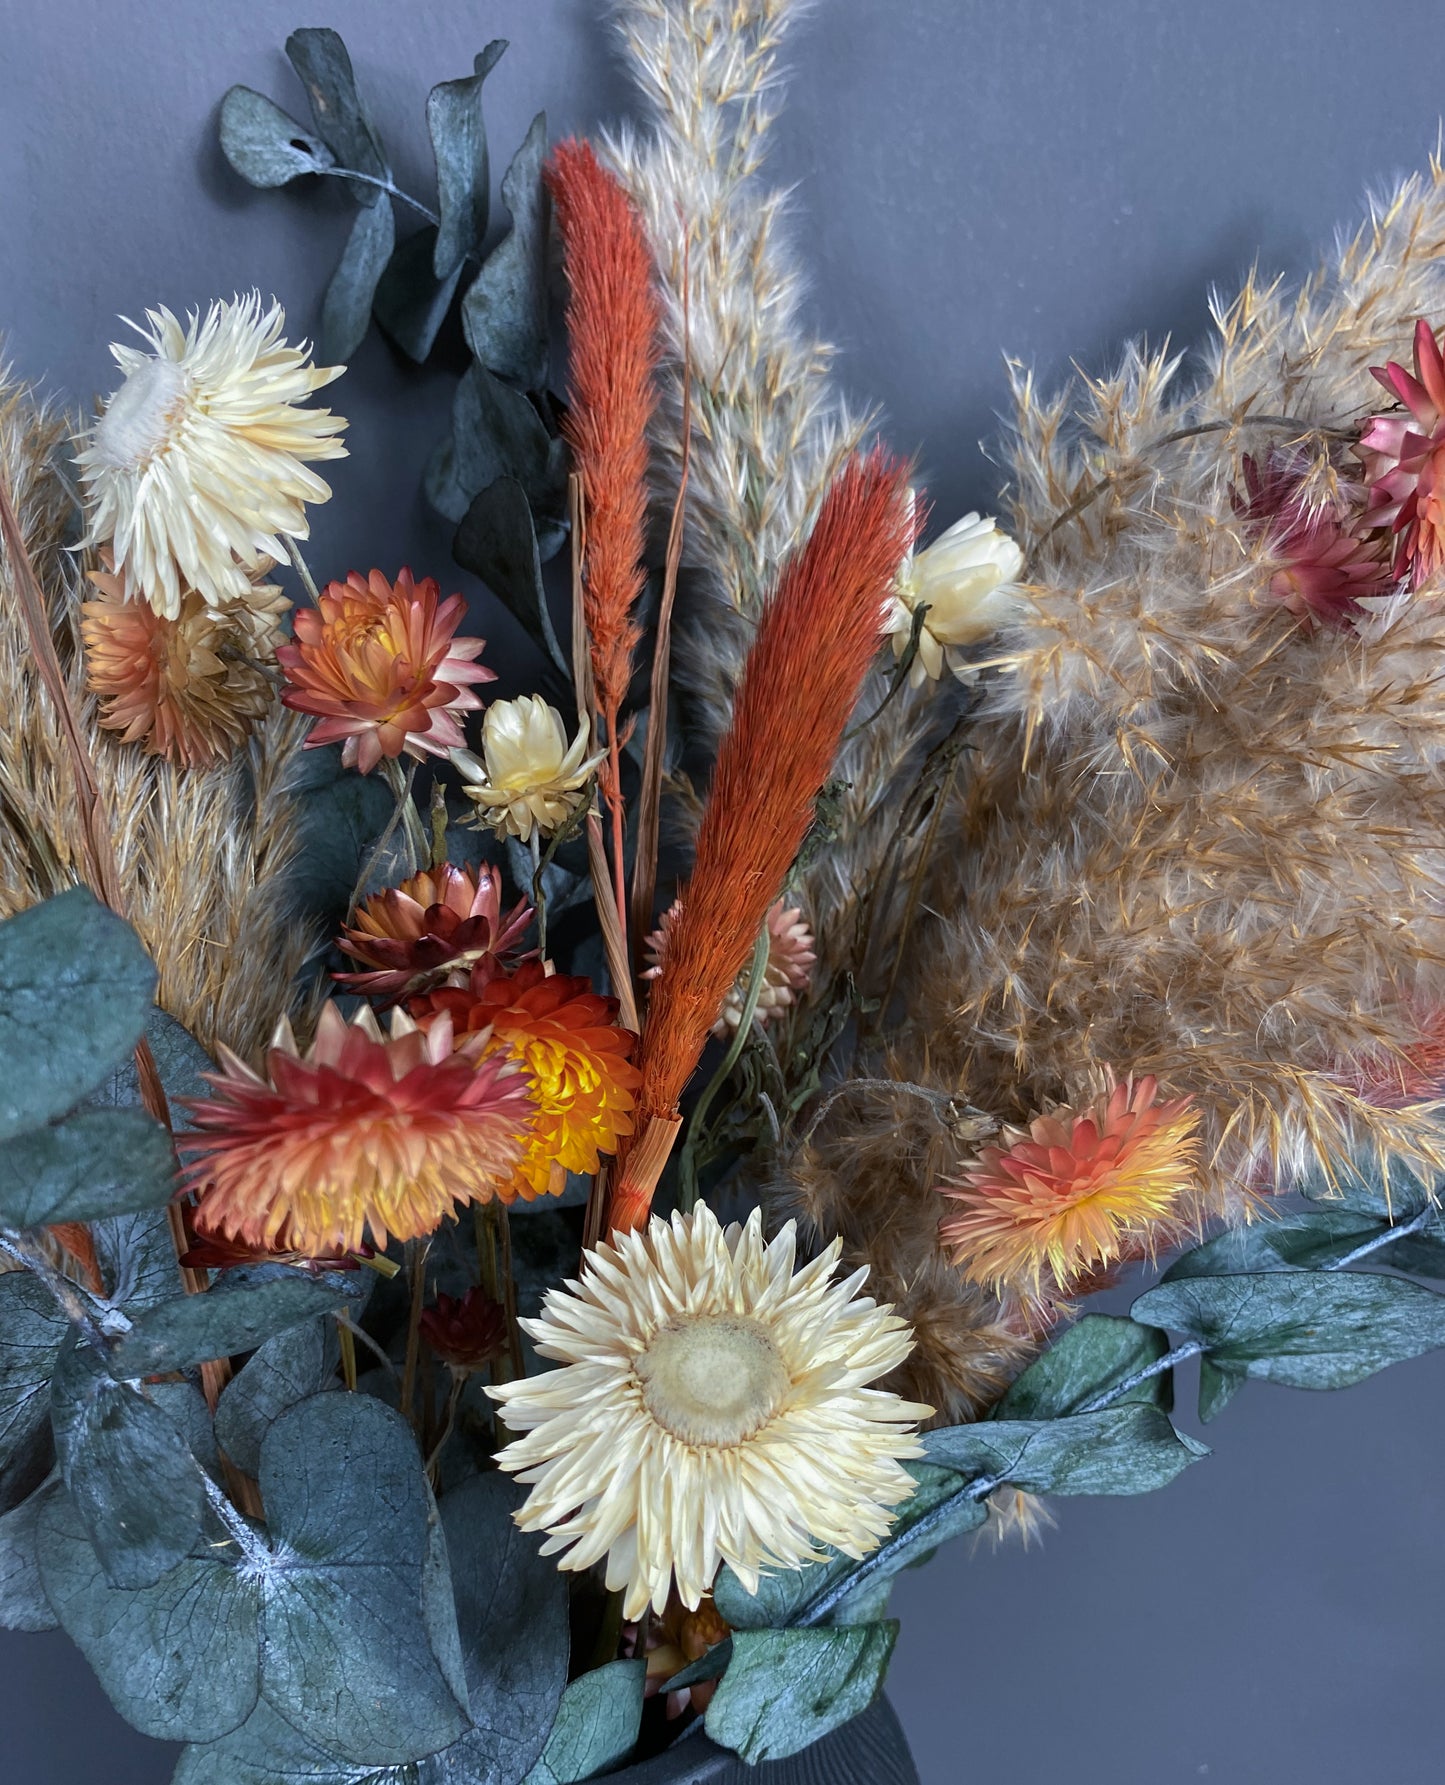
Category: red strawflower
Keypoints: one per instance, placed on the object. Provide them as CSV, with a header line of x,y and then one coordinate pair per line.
x,y
1325,568
1404,460
380,666
465,1331
439,923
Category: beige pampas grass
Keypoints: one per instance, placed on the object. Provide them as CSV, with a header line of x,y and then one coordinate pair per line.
x,y
1201,840
202,853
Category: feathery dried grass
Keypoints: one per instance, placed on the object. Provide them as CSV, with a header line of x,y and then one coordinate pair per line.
x,y
1199,841
202,853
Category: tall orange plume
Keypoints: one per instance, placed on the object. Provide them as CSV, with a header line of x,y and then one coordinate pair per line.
x,y
816,637
612,330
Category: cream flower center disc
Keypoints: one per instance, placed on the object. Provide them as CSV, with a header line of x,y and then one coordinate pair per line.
x,y
141,415
712,1378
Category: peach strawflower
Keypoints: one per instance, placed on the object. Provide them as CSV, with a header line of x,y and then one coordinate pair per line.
x,y
1404,460
437,925
791,958
187,688
1075,1190
1414,1075
1325,569
364,1135
567,1043
380,666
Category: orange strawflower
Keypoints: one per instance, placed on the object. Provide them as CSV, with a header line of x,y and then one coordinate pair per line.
x,y
438,924
364,1134
1074,1191
816,637
186,688
380,666
577,1061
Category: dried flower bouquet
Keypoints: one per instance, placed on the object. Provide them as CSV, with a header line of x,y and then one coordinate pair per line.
x,y
522,1215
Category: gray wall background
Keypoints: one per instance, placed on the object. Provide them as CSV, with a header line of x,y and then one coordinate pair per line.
x,y
1041,178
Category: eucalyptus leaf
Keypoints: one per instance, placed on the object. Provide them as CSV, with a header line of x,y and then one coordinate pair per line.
x,y
511,1609
1298,1239
784,1689
129,1472
597,1723
342,815
23,1605
497,541
180,1060
464,174
1305,1329
504,312
1128,1449
240,1312
1095,1355
346,308
285,1370
95,1163
1217,1388
324,69
137,1258
1393,1195
32,1331
265,145
410,302
266,1750
496,432
75,990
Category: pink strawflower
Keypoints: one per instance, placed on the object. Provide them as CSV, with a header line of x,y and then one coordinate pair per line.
x,y
1325,569
1404,460
435,926
791,959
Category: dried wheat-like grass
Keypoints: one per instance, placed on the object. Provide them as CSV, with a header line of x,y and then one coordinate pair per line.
x,y
202,854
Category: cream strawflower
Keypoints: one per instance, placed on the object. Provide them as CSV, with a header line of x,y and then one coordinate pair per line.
x,y
712,1407
194,470
531,778
966,577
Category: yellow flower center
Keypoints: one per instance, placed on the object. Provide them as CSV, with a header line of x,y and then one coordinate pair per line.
x,y
712,1379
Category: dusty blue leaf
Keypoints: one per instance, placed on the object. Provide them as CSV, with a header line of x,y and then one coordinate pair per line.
x,y
1095,1355
237,1314
1128,1449
137,1257
31,1334
498,542
342,815
511,1608
265,145
785,1689
128,1470
285,1370
266,1750
1217,1388
23,1605
1297,1239
180,1059
1305,1329
346,308
411,303
93,1164
597,1723
75,991
324,69
496,432
504,311
464,175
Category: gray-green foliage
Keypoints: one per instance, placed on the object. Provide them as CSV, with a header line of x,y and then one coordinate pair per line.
x,y
784,1689
597,1723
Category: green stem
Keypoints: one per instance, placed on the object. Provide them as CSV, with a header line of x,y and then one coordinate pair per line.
x,y
298,564
687,1165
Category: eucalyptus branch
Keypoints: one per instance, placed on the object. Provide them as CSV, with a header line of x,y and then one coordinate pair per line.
x,y
79,1306
386,186
1416,1224
1112,1396
252,1547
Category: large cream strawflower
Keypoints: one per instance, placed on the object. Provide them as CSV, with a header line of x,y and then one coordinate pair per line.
x,y
712,1407
194,471
531,778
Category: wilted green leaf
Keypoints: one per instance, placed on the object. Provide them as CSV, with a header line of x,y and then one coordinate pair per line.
x,y
128,1470
266,145
346,308
287,1369
1129,1449
411,303
511,1606
504,311
240,1312
498,542
75,989
464,174
784,1689
93,1164
324,69
1306,1329
597,1722
1095,1355
23,1605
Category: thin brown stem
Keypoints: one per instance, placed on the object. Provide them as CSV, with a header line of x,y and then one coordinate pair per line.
x,y
418,1252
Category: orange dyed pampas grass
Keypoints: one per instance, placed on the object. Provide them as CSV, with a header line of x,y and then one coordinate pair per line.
x,y
816,637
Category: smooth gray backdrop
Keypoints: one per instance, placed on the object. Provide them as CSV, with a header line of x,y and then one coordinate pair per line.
x,y
1043,179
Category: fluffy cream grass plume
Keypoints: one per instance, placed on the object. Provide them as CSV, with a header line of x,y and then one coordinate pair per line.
x,y
201,860
768,431
1199,840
